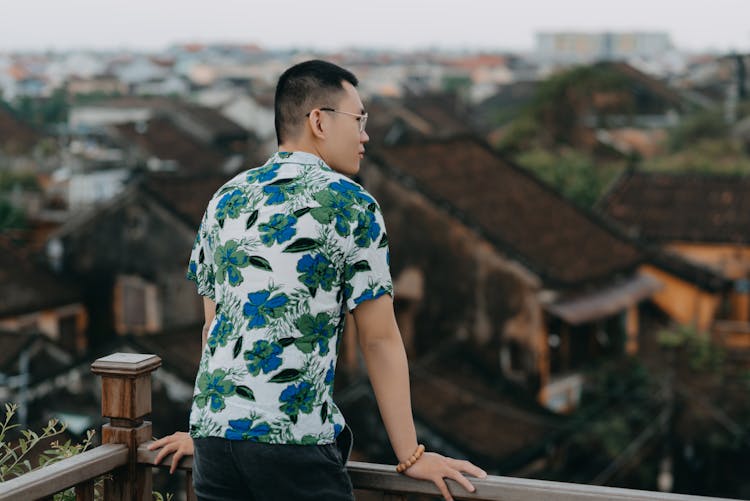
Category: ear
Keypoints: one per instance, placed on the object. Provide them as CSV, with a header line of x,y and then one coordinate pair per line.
x,y
315,121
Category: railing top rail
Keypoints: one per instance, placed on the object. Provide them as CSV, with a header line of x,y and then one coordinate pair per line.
x,y
66,473
383,478
145,456
378,477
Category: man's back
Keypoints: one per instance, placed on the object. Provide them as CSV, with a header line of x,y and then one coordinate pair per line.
x,y
283,250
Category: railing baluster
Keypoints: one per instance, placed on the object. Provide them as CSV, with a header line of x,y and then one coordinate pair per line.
x,y
126,400
85,491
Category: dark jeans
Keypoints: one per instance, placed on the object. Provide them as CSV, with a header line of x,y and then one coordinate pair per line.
x,y
243,470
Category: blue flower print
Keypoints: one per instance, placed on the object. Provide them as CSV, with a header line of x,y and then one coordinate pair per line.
x,y
351,190
330,373
278,191
367,229
231,204
243,429
261,306
337,429
228,259
192,273
279,228
220,333
317,329
297,398
316,271
213,388
263,174
334,205
263,357
370,294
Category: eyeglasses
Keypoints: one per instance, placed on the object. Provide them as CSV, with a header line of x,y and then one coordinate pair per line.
x,y
362,119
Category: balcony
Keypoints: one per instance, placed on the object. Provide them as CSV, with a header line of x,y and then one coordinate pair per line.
x,y
129,466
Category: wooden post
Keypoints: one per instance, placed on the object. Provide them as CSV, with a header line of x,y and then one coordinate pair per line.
x,y
126,400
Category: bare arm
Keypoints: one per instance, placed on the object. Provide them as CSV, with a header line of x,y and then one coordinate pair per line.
x,y
209,312
181,443
387,366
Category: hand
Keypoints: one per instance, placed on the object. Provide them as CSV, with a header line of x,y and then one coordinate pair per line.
x,y
434,467
180,443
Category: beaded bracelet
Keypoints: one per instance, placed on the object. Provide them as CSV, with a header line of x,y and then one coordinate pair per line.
x,y
413,459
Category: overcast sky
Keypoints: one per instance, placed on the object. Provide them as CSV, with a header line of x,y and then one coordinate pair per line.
x,y
331,24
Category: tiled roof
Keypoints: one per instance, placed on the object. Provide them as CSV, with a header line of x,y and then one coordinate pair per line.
x,y
186,195
165,141
681,207
430,115
523,217
219,127
482,418
26,286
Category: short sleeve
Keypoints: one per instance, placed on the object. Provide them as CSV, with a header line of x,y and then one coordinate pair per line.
x,y
201,266
367,269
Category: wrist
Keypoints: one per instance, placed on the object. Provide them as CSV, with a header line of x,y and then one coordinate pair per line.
x,y
405,465
405,452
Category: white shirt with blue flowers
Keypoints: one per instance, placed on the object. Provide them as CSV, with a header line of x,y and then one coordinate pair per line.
x,y
284,249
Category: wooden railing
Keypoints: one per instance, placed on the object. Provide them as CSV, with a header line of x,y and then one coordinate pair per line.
x,y
128,464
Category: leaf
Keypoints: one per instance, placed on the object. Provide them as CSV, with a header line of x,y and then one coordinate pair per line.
x,y
212,349
226,189
383,241
285,376
304,344
261,263
361,266
309,440
281,182
201,256
302,245
221,223
312,290
286,341
323,215
372,207
301,212
293,418
324,412
245,392
237,347
251,219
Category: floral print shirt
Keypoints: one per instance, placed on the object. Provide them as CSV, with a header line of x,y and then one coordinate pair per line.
x,y
284,250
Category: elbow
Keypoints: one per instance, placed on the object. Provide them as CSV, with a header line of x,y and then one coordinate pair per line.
x,y
379,341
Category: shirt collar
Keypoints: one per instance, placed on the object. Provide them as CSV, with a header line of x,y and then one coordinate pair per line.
x,y
297,157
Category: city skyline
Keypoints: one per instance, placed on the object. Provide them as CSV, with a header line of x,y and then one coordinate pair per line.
x,y
701,25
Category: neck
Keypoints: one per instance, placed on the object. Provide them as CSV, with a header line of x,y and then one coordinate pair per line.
x,y
305,146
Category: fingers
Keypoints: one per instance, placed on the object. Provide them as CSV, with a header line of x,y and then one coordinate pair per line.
x,y
165,451
162,441
463,481
468,467
167,448
443,488
176,460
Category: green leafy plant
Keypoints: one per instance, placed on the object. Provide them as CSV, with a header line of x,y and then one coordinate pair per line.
x,y
701,352
14,458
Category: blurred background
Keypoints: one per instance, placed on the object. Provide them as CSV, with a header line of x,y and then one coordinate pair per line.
x,y
565,187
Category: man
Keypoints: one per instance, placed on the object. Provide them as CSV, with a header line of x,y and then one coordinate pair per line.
x,y
283,251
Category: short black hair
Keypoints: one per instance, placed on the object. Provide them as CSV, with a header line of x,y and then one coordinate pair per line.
x,y
303,87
